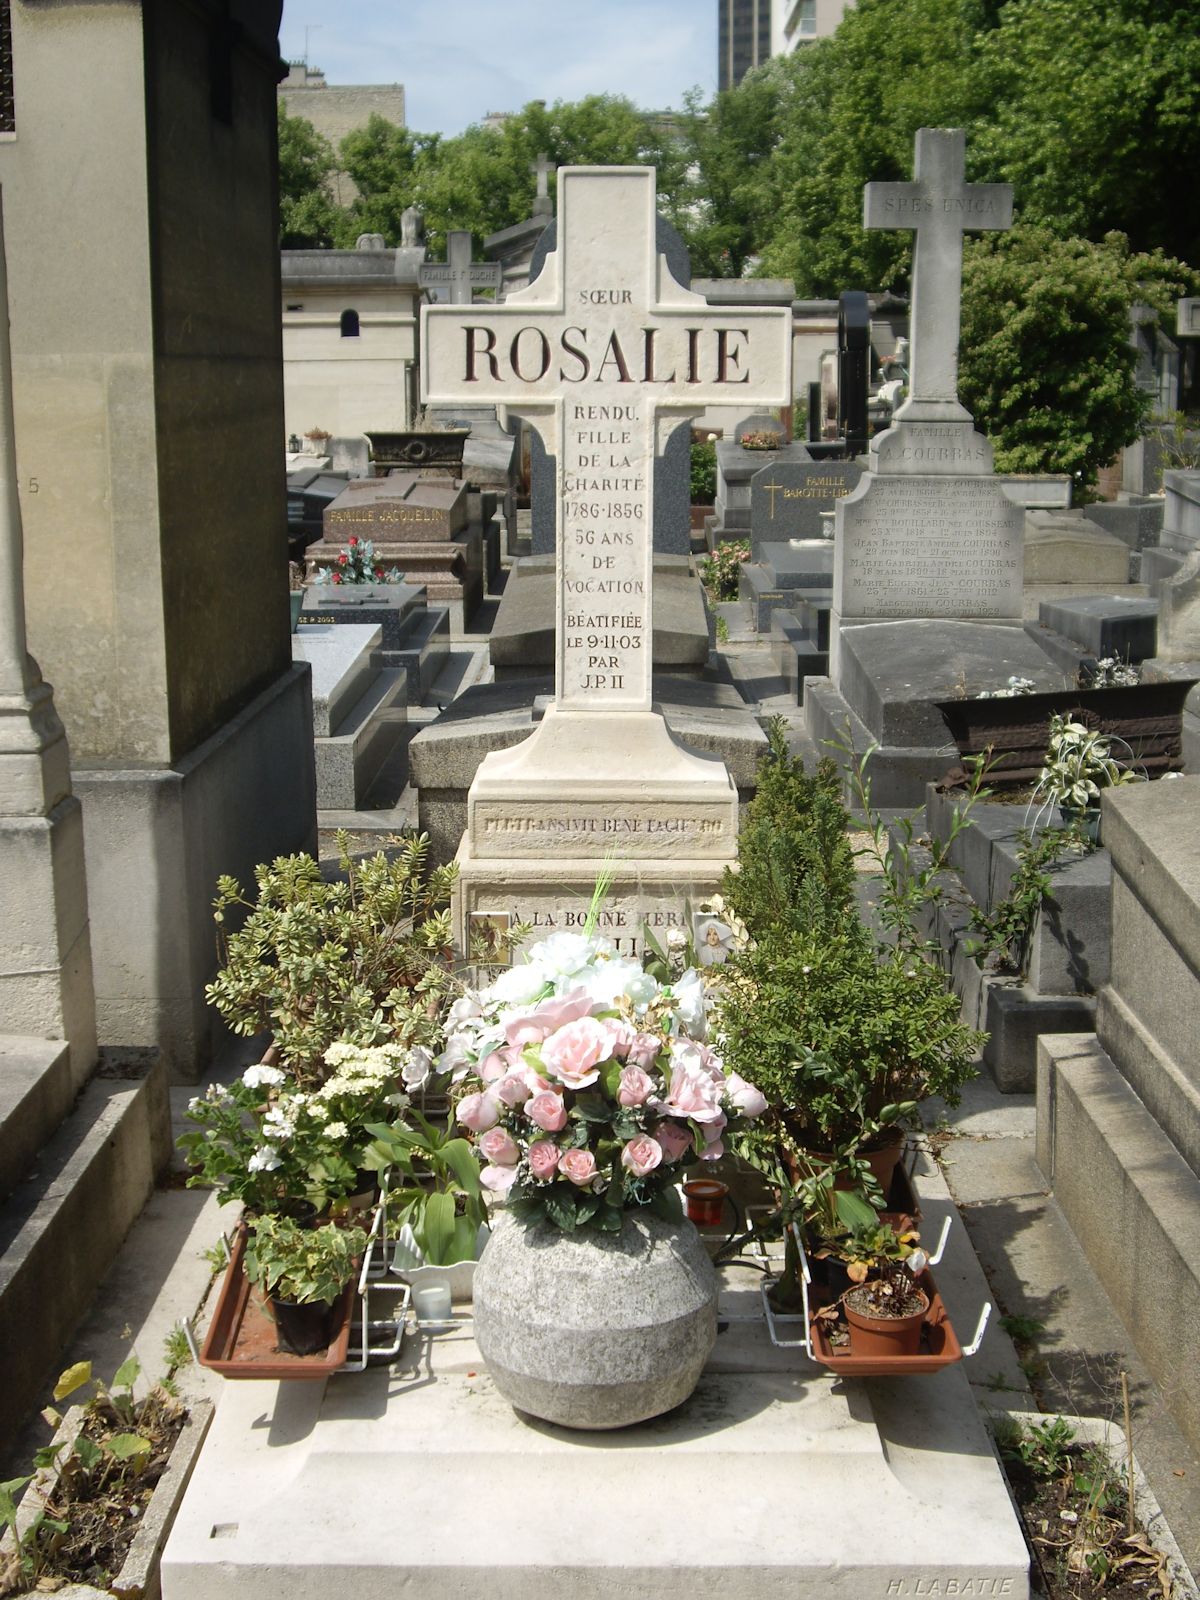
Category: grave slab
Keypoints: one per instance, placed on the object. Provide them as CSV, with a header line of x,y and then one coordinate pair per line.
x,y
390,607
1107,625
305,1490
1064,547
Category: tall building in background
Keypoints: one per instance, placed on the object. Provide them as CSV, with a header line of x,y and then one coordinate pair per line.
x,y
799,22
743,39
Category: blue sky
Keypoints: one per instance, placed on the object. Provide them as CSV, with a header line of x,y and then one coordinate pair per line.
x,y
459,59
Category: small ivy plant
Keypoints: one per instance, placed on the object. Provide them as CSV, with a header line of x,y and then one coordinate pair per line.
x,y
303,1266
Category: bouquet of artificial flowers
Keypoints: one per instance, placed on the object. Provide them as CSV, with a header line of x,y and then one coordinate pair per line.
x,y
588,1083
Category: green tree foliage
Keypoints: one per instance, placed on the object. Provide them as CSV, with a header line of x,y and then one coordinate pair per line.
x,y
1045,363
723,195
1093,115
383,161
308,217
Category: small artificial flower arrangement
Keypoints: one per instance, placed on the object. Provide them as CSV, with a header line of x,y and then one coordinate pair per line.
x,y
357,564
761,440
1079,764
589,1083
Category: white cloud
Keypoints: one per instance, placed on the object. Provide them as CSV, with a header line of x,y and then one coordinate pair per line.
x,y
459,59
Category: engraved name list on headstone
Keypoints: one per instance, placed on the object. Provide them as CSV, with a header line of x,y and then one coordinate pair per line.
x,y
604,354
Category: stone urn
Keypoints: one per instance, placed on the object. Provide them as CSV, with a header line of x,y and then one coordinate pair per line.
x,y
596,1330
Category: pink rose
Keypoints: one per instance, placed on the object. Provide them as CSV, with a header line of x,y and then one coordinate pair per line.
x,y
493,1066
531,1027
547,1111
635,1087
499,1146
543,1159
693,1095
709,1147
574,1052
512,1089
672,1140
641,1155
498,1179
479,1112
744,1097
579,1166
643,1050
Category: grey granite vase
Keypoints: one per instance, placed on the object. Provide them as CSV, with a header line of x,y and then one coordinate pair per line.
x,y
596,1330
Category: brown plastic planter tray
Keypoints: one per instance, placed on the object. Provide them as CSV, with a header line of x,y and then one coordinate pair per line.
x,y
939,1346
241,1339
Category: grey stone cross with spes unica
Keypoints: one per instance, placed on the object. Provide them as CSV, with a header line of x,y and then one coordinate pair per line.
x,y
939,207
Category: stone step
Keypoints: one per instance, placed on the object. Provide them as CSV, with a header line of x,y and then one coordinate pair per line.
x,y
1105,625
63,1223
342,658
36,1091
424,650
349,758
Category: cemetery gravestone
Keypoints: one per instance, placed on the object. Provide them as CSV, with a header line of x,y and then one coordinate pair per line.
x,y
788,497
459,273
604,354
931,533
928,549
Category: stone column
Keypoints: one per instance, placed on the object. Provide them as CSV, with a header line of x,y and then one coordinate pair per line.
x,y
45,955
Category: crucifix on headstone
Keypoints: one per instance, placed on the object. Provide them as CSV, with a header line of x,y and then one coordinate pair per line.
x,y
605,353
939,206
458,271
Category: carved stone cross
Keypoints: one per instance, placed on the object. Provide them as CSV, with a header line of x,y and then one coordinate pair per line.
x,y
939,206
605,353
462,274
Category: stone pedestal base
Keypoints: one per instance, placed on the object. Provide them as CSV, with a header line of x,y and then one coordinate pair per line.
x,y
585,793
157,839
306,1489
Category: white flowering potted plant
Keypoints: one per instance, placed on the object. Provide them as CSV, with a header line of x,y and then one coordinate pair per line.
x,y
292,1156
589,1086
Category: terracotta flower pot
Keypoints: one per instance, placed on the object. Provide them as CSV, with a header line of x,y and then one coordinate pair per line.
x,y
884,1336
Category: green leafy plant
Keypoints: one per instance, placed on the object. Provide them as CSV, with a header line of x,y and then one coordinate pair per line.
x,y
86,1483
841,1038
263,1141
795,864
1006,932
177,1352
1079,764
1041,1447
304,1266
720,570
1023,1329
703,472
440,1197
911,867
366,958
869,1249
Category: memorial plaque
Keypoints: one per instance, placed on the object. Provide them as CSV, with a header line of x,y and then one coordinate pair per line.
x,y
788,497
913,547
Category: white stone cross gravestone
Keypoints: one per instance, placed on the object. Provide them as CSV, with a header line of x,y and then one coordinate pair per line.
x,y
604,354
458,271
939,206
